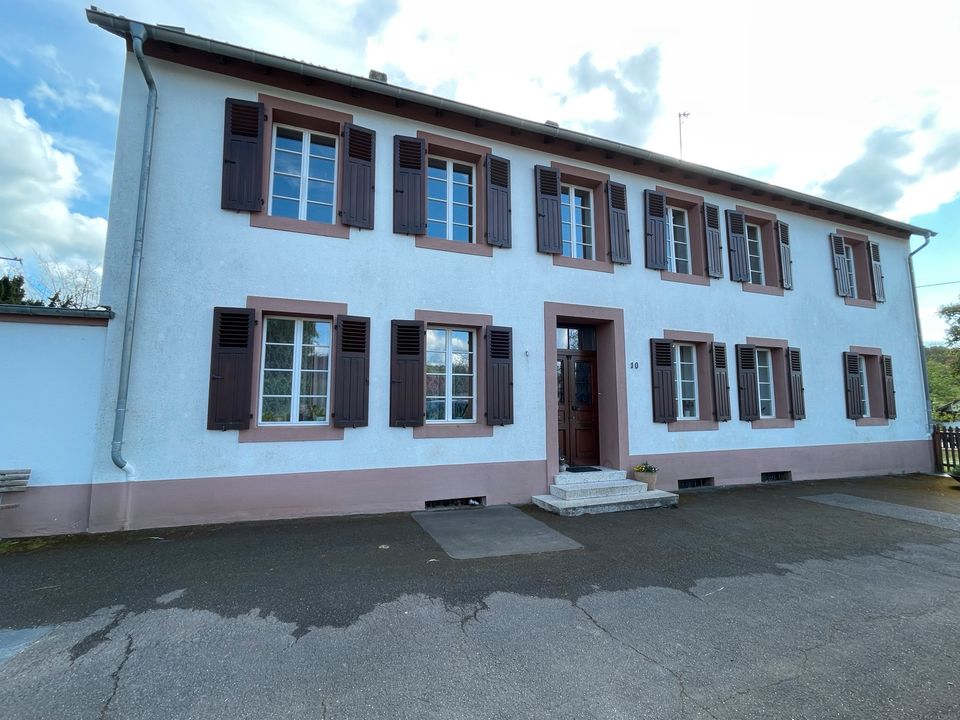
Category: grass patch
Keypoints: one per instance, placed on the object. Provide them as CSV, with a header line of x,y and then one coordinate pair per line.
x,y
26,545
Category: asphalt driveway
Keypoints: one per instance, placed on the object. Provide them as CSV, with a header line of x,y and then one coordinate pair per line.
x,y
835,599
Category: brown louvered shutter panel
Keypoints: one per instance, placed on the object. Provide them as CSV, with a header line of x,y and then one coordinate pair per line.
x,y
619,225
498,201
721,381
231,368
798,407
406,373
711,224
409,185
737,244
840,267
876,272
786,260
889,394
549,237
242,186
749,395
351,371
655,230
851,375
358,157
664,384
499,375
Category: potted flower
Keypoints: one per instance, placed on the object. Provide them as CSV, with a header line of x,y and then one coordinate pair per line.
x,y
563,464
645,472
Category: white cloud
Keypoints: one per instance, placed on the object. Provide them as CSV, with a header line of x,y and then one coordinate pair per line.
x,y
38,182
73,95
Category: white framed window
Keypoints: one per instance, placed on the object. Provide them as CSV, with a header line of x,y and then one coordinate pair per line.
x,y
851,267
685,372
755,253
765,383
576,222
294,371
450,199
451,375
678,241
303,172
864,395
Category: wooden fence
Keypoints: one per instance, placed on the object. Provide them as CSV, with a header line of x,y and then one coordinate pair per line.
x,y
946,449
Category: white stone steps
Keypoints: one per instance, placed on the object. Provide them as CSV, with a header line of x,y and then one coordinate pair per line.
x,y
604,504
573,491
579,478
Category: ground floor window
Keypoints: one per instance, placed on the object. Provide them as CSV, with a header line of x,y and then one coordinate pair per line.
x,y
765,383
864,394
685,372
295,371
451,375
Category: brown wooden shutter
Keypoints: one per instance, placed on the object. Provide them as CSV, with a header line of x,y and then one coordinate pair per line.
x,y
840,267
242,183
851,374
798,407
499,375
409,185
498,201
876,272
619,225
549,236
664,384
358,158
351,371
749,395
711,225
655,226
231,368
786,260
406,373
721,381
889,394
737,244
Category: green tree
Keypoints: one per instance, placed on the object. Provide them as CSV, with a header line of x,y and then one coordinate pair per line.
x,y
951,315
12,291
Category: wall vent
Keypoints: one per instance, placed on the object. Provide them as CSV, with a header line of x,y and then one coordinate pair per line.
x,y
779,476
693,483
453,503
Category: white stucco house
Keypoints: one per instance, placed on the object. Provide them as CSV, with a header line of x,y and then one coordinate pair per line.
x,y
350,297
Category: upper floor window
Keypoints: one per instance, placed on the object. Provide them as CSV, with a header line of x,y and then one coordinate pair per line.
x,y
576,222
765,383
678,242
851,264
295,371
450,200
755,254
303,175
451,375
685,377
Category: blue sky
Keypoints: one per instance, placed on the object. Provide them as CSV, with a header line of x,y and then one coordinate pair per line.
x,y
873,121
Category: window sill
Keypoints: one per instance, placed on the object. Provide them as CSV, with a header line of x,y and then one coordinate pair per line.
x,y
263,220
291,433
431,243
872,422
859,302
692,425
580,264
762,289
771,423
452,430
688,278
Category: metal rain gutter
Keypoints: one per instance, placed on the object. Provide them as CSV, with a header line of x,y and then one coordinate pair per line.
x,y
923,352
120,26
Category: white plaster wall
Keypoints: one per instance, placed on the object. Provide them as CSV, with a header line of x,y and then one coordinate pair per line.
x,y
50,378
197,256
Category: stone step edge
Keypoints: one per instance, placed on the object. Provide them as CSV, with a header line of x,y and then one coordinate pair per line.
x,y
608,499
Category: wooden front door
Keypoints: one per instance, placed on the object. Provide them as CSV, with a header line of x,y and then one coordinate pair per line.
x,y
577,406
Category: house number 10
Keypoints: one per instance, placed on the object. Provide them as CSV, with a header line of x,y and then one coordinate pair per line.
x,y
634,365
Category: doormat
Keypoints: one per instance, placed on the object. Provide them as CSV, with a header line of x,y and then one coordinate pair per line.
x,y
583,468
491,532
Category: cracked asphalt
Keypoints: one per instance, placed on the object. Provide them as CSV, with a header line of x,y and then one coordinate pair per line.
x,y
746,603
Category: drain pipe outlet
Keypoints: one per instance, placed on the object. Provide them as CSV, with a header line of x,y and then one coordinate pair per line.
x,y
923,353
138,34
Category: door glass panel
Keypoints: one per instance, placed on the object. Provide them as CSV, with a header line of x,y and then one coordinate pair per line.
x,y
583,380
560,382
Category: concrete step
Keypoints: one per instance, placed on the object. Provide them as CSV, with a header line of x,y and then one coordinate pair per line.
x,y
573,491
611,503
604,475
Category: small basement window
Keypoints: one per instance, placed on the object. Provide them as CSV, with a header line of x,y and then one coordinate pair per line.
x,y
693,483
777,476
453,503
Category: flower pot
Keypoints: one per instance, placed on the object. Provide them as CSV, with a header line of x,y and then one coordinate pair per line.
x,y
649,478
